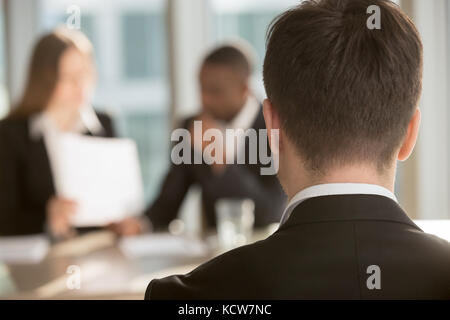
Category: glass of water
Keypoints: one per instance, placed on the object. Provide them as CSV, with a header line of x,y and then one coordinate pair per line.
x,y
235,219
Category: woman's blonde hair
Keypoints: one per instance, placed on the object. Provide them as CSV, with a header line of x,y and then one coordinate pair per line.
x,y
43,70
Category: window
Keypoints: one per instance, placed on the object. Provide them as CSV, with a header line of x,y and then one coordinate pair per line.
x,y
140,35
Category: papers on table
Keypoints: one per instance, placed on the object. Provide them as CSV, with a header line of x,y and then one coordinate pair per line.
x,y
23,249
163,244
440,228
7,286
101,174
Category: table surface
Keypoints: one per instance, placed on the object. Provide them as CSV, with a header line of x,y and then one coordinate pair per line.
x,y
107,273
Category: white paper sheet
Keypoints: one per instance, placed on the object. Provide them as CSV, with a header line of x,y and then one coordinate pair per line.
x,y
101,174
162,244
23,249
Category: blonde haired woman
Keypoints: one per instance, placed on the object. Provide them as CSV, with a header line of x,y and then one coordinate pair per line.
x,y
56,99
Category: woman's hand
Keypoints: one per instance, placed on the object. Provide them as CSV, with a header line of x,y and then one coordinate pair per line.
x,y
59,213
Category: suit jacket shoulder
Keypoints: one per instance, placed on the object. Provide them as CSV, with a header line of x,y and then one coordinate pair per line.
x,y
218,278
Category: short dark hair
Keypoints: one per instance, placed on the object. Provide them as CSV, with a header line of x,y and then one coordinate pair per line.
x,y
344,93
230,56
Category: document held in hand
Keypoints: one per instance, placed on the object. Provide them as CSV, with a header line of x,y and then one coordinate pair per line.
x,y
101,174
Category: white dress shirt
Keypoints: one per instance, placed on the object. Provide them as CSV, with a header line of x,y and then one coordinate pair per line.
x,y
41,125
328,189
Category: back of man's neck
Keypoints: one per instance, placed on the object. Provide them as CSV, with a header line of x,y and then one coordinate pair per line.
x,y
352,174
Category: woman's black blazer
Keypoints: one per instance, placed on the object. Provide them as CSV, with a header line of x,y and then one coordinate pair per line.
x,y
26,182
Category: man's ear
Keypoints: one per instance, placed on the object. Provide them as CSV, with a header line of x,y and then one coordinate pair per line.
x,y
411,137
272,122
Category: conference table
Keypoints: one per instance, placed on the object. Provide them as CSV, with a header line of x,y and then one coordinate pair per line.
x,y
107,272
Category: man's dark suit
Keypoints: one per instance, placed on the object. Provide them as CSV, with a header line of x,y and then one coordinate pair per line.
x,y
323,251
26,182
238,181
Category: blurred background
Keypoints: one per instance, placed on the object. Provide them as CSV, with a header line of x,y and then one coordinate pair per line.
x,y
148,53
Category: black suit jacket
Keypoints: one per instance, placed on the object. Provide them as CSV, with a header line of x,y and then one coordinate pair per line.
x,y
238,181
26,182
323,251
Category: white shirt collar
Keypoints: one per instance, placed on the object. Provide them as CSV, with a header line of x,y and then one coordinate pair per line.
x,y
334,189
40,124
